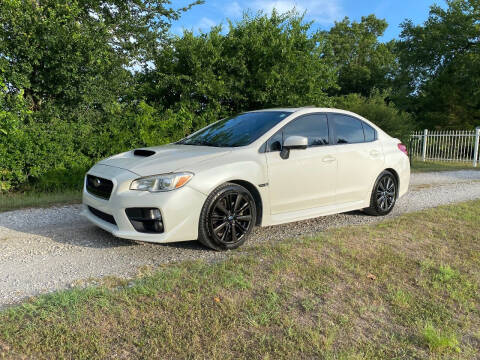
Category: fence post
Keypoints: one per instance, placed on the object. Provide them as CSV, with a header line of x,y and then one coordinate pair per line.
x,y
475,152
424,149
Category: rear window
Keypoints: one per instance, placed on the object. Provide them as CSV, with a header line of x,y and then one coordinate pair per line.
x,y
370,133
348,130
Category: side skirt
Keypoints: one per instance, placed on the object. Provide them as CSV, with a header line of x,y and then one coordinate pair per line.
x,y
314,212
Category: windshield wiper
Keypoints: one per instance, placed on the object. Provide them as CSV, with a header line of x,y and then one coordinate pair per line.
x,y
199,143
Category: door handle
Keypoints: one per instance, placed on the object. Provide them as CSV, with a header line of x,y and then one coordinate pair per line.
x,y
374,153
328,159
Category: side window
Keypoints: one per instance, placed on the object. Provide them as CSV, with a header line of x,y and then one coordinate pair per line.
x,y
348,130
370,133
314,127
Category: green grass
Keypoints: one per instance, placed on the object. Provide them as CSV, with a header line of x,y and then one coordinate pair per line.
x,y
405,288
12,201
307,297
438,342
428,166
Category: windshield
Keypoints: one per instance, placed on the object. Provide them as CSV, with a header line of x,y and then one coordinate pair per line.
x,y
236,131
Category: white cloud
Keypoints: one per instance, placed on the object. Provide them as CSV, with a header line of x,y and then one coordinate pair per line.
x,y
177,30
323,11
205,24
233,9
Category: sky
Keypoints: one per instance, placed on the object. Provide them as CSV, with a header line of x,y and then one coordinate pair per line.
x,y
323,12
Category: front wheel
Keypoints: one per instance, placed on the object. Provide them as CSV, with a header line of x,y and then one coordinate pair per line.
x,y
227,218
384,195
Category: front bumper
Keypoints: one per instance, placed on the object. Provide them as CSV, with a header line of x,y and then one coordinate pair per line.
x,y
180,208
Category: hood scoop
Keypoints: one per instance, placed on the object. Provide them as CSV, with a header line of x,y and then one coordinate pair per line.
x,y
163,159
143,152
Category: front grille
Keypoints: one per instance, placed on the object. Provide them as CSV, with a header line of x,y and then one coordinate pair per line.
x,y
100,214
99,186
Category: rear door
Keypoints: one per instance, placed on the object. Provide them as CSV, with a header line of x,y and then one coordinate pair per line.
x,y
359,155
307,178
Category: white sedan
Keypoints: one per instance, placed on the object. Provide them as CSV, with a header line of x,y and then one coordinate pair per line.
x,y
261,168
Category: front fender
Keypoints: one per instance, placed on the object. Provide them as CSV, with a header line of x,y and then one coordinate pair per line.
x,y
252,170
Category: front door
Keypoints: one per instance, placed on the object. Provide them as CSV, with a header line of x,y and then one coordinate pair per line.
x,y
307,178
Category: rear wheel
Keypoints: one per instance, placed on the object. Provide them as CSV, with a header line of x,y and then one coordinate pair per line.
x,y
227,218
384,195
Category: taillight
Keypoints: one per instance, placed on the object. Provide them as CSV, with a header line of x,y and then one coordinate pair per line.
x,y
402,148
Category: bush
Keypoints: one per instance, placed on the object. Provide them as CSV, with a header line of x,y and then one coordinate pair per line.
x,y
13,112
34,150
386,115
50,153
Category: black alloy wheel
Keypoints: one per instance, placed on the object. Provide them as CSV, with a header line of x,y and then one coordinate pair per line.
x,y
384,195
227,218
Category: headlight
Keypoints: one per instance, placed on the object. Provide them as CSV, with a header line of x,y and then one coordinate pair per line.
x,y
164,182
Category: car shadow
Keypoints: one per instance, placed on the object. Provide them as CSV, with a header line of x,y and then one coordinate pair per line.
x,y
356,213
71,229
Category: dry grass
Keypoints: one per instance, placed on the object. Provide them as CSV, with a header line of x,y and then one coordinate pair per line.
x,y
429,166
13,201
406,288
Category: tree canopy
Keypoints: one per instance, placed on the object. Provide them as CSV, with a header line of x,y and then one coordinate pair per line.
x,y
264,61
364,63
76,52
439,78
84,79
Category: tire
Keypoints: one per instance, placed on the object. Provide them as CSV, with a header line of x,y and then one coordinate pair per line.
x,y
227,217
384,195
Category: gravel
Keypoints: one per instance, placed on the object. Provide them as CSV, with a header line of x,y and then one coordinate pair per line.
x,y
44,250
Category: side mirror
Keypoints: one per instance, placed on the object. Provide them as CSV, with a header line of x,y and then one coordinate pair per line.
x,y
293,142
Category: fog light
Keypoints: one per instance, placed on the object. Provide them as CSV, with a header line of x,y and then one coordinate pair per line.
x,y
146,220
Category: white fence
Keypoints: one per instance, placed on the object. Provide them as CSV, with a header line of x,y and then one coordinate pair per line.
x,y
453,145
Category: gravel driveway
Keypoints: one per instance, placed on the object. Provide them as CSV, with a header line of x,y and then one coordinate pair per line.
x,y
42,250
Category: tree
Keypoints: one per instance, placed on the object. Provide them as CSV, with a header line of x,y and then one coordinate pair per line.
x,y
262,61
66,84
73,52
363,62
439,79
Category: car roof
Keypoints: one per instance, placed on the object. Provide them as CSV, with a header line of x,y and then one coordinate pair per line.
x,y
306,109
291,110
312,109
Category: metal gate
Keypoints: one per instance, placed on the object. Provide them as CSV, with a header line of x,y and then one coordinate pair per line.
x,y
445,145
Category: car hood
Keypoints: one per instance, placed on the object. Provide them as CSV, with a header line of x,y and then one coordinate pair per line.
x,y
164,159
